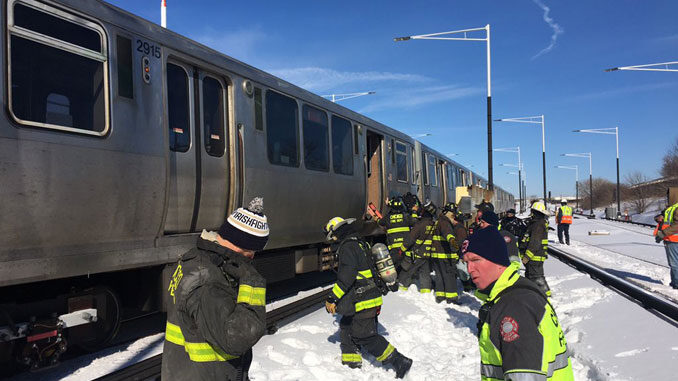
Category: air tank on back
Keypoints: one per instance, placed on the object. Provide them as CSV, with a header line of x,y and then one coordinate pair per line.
x,y
384,263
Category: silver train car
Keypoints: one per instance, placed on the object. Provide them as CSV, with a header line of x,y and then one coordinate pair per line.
x,y
120,141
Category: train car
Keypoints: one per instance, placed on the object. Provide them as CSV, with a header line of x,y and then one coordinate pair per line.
x,y
121,141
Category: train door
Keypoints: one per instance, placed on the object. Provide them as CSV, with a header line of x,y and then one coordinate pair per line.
x,y
198,165
444,182
374,173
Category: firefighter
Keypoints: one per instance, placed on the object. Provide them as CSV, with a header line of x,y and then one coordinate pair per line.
x,y
512,224
667,230
217,302
564,220
413,205
357,297
444,257
456,218
397,223
419,242
534,246
480,208
519,335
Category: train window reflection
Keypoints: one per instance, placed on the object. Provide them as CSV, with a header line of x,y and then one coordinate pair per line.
x,y
178,112
432,174
282,121
258,110
401,162
213,116
69,94
316,139
342,146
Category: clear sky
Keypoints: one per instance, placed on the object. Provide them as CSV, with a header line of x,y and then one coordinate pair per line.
x,y
548,58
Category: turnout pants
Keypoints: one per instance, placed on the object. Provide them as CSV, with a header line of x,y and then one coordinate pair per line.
x,y
419,268
564,228
534,271
446,278
360,332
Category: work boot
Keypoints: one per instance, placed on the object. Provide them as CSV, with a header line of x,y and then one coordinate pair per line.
x,y
454,300
352,365
400,363
541,282
440,299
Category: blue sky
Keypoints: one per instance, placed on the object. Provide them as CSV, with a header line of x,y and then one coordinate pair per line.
x,y
548,58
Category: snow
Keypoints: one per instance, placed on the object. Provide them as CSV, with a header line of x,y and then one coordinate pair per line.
x,y
610,337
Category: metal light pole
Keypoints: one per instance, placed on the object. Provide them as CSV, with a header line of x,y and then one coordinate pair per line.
x,y
648,67
576,180
519,178
520,170
589,156
442,36
609,131
534,120
341,97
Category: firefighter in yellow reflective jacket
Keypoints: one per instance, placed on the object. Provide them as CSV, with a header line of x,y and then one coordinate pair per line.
x,y
534,246
420,244
445,255
519,335
217,302
397,224
357,297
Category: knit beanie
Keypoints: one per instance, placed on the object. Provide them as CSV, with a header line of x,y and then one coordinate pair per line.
x,y
490,217
247,228
489,244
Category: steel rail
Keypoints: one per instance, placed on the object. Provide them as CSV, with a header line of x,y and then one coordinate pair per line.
x,y
149,369
660,306
631,222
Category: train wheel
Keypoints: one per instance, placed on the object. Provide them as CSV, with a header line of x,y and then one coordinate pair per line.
x,y
92,337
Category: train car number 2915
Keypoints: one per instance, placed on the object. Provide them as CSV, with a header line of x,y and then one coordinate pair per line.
x,y
148,49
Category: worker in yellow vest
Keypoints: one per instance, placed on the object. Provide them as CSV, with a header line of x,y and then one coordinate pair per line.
x,y
667,231
564,220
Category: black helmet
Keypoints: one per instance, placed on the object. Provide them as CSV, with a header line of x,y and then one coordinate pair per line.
x,y
485,206
396,203
410,200
512,211
430,208
450,207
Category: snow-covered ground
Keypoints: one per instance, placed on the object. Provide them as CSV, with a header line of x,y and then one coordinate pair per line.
x,y
610,337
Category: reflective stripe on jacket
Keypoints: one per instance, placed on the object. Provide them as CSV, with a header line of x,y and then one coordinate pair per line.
x,y
565,214
535,241
397,227
354,276
520,337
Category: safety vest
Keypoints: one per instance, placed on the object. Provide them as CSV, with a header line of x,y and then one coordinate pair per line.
x,y
669,215
556,364
566,216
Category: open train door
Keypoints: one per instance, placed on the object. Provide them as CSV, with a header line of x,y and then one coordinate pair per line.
x,y
374,169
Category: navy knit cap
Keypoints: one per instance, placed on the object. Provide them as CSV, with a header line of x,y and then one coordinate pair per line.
x,y
489,244
247,228
490,217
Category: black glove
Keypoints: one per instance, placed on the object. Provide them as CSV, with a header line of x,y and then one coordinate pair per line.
x,y
240,268
660,234
393,286
657,239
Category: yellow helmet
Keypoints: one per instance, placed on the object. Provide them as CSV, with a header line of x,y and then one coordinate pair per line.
x,y
538,206
333,224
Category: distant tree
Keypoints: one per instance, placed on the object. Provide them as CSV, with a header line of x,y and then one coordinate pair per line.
x,y
670,164
603,193
637,194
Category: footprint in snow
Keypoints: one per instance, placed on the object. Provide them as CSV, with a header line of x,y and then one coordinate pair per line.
x,y
631,352
277,356
296,343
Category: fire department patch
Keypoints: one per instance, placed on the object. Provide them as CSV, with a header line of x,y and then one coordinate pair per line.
x,y
507,239
509,329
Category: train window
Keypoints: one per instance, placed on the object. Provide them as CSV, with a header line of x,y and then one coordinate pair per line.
x,y
450,177
213,116
432,173
258,110
342,159
282,125
125,77
56,27
401,162
178,112
57,70
316,139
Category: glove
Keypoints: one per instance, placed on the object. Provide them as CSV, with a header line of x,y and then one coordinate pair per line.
x,y
239,268
331,308
661,234
525,259
393,287
657,239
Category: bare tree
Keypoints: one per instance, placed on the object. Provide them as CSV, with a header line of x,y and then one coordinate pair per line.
x,y
670,165
603,192
637,193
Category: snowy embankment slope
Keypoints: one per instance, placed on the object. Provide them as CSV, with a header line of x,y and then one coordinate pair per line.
x,y
629,251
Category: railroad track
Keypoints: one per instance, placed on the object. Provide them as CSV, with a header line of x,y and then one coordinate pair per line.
x,y
149,369
630,222
661,307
